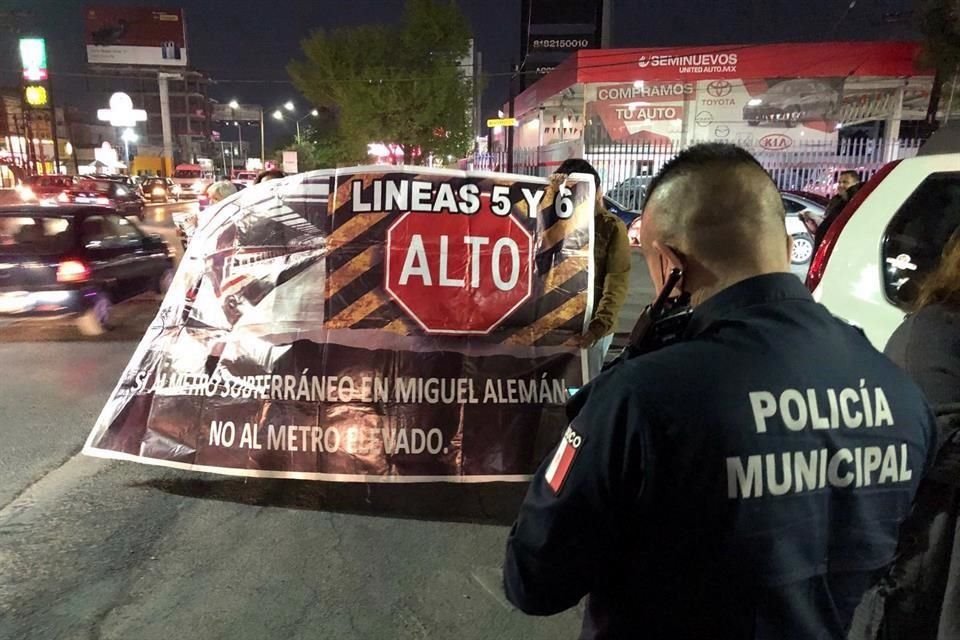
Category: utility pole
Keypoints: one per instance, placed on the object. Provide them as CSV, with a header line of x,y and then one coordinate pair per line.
x,y
510,130
163,81
477,98
53,128
263,151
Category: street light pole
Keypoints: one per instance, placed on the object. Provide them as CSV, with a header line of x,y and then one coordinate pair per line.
x,y
234,105
240,135
263,157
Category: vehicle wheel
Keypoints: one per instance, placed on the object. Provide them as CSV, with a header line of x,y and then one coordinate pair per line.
x,y
95,321
801,251
164,281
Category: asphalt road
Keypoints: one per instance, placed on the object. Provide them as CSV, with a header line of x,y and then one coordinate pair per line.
x,y
109,550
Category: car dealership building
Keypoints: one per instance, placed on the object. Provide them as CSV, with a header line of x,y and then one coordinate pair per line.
x,y
630,110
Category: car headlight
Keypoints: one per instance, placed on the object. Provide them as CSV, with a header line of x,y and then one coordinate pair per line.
x,y
26,193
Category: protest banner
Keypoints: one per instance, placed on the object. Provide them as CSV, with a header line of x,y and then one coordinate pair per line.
x,y
366,324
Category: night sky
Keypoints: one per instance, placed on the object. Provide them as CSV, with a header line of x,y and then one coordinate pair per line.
x,y
252,40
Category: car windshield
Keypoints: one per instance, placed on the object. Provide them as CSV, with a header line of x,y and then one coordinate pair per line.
x,y
102,186
615,203
50,181
786,88
34,234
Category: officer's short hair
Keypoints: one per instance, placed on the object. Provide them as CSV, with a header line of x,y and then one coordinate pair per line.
x,y
850,172
725,208
702,156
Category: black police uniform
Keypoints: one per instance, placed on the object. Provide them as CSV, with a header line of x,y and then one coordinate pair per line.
x,y
746,482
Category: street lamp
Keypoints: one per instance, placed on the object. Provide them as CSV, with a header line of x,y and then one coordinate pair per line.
x,y
128,136
234,105
289,105
313,114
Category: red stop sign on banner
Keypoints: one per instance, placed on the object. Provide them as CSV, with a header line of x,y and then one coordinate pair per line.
x,y
455,273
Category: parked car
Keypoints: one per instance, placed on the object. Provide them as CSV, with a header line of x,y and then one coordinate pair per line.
x,y
160,190
804,213
625,214
791,102
631,192
795,207
245,177
105,193
889,237
75,262
45,189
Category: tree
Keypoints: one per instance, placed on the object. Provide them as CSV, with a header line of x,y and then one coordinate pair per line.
x,y
939,21
393,84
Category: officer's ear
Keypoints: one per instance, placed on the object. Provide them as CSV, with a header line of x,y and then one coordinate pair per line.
x,y
673,257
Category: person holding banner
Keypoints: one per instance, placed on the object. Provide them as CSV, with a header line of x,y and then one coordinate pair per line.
x,y
745,481
611,250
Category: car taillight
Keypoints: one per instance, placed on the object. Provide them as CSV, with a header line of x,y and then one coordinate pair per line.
x,y
819,263
63,197
72,271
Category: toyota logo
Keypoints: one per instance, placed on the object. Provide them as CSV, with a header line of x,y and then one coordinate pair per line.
x,y
776,142
642,62
704,119
719,88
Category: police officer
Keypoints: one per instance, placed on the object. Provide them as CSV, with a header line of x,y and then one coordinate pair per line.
x,y
746,481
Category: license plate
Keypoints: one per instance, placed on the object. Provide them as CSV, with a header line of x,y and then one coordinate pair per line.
x,y
14,302
83,200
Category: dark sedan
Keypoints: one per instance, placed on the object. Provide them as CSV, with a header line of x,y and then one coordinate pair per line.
x,y
160,190
105,192
75,262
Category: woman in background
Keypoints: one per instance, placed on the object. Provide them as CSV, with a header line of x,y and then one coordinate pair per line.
x,y
919,598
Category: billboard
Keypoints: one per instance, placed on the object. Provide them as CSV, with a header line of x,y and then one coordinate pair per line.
x,y
760,114
135,36
551,31
374,324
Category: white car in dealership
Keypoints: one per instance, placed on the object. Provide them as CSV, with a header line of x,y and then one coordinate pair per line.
x,y
891,234
796,205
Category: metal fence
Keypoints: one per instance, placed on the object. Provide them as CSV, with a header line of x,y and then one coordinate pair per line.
x,y
626,169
